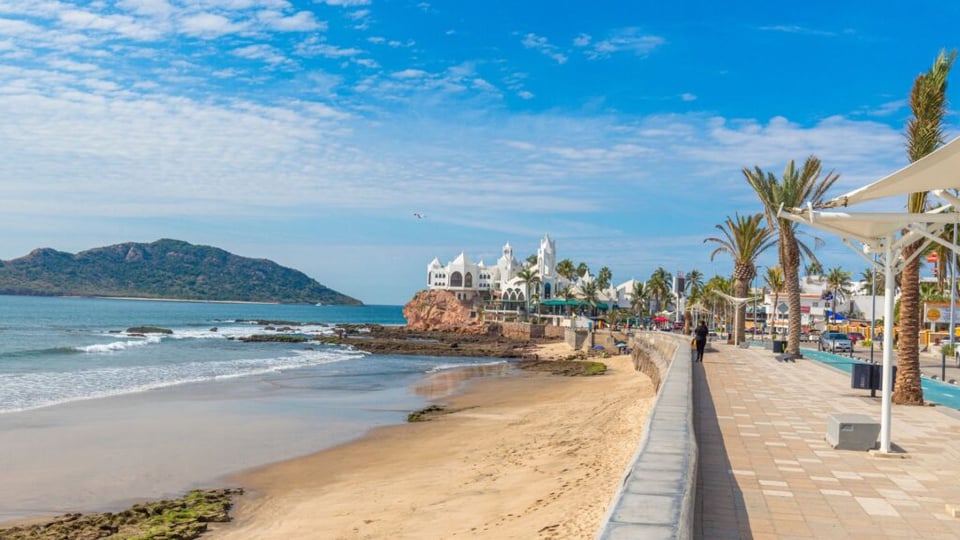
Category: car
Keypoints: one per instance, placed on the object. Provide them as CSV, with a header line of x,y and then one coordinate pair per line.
x,y
834,342
856,337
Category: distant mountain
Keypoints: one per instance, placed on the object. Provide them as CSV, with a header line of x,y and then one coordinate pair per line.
x,y
162,269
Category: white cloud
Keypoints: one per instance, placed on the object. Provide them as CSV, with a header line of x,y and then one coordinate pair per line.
x,y
70,65
409,74
358,14
687,96
345,3
523,94
795,29
629,40
151,8
582,40
314,46
300,22
14,27
540,43
268,54
208,25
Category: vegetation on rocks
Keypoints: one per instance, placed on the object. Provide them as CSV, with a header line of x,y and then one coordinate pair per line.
x,y
572,368
425,414
273,338
162,269
177,519
148,330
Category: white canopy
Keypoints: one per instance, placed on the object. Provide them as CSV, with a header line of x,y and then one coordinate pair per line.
x,y
938,170
866,228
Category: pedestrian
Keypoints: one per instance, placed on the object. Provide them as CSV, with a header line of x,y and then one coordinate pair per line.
x,y
700,336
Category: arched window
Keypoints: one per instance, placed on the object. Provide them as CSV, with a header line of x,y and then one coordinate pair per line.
x,y
546,291
456,279
429,278
468,281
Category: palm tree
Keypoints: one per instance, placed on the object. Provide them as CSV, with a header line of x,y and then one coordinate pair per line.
x,y
659,286
774,280
567,293
528,276
711,290
640,298
838,282
872,281
928,101
744,239
693,288
590,296
604,275
566,269
796,188
582,269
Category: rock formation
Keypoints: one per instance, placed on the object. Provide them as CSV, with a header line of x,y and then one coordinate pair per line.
x,y
440,310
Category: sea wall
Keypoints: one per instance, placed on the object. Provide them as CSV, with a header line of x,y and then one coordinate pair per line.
x,y
522,330
658,494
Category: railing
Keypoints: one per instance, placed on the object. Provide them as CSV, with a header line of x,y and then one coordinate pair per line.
x,y
658,494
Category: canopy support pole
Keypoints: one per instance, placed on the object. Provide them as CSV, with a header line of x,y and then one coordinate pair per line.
x,y
887,382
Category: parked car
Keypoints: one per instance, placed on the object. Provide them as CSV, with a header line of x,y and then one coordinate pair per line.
x,y
856,337
834,342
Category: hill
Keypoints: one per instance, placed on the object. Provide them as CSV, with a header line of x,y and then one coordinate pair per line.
x,y
162,269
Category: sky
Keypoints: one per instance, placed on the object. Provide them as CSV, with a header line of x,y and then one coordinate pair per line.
x,y
311,132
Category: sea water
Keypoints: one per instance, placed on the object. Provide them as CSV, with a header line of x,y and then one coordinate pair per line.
x,y
95,417
59,350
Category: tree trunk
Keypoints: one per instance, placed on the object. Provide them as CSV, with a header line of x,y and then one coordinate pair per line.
x,y
775,313
790,261
741,289
907,389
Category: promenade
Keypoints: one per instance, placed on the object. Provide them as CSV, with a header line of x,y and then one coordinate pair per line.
x,y
766,470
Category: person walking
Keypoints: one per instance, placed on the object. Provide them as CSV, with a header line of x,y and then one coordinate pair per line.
x,y
700,336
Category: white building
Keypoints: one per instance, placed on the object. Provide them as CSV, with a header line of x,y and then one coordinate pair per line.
x,y
469,280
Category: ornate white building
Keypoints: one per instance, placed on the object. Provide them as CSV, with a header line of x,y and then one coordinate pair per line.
x,y
468,280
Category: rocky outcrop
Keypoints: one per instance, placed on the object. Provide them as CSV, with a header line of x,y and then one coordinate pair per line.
x,y
438,310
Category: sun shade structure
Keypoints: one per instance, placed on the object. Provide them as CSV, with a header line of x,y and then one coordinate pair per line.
x,y
938,170
736,302
887,234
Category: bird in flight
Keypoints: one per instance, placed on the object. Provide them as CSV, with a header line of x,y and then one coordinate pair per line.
x,y
418,215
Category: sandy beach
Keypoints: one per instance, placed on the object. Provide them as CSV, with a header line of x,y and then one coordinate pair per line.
x,y
534,456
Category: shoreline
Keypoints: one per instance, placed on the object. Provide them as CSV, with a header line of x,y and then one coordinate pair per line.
x,y
475,394
528,456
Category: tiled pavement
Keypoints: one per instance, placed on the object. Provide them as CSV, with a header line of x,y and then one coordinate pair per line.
x,y
766,470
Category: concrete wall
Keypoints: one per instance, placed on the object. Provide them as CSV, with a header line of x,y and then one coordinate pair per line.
x,y
553,331
519,330
575,338
658,494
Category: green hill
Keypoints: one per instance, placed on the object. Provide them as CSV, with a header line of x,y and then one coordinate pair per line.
x,y
162,269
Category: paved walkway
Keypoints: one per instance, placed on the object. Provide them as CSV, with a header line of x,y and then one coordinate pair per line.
x,y
767,472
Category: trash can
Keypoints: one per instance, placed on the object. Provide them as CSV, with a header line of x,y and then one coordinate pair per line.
x,y
779,345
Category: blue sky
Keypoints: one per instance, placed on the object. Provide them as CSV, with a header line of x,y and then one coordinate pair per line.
x,y
309,132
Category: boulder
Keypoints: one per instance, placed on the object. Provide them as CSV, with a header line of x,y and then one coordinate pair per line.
x,y
438,310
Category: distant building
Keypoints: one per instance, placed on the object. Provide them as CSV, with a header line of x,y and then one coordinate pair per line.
x,y
469,280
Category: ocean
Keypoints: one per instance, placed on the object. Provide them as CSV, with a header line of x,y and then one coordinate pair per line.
x,y
93,417
59,350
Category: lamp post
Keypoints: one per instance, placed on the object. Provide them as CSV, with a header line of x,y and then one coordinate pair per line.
x,y
873,308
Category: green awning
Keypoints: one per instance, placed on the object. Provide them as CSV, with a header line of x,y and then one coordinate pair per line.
x,y
574,303
562,302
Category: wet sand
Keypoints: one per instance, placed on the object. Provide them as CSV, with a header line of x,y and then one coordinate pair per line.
x,y
533,456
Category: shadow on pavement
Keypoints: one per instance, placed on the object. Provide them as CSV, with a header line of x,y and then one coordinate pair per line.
x,y
720,511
